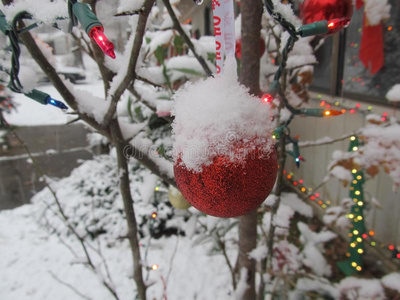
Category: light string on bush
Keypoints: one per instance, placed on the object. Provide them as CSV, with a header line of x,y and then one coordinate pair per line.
x,y
78,11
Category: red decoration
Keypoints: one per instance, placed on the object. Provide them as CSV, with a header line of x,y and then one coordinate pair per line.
x,y
337,12
228,189
371,49
238,49
97,34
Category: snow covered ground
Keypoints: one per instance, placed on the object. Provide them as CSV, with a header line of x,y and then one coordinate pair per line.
x,y
34,262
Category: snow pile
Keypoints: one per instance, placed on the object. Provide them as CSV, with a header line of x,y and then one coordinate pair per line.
x,y
28,79
213,115
382,148
311,255
342,174
298,205
355,288
44,11
394,94
377,11
392,281
129,5
336,215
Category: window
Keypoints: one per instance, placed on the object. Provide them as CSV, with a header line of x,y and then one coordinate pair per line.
x,y
341,73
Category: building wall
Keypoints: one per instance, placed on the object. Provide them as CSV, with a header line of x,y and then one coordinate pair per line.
x,y
385,221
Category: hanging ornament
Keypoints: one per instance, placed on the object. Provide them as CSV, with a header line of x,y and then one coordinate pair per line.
x,y
225,161
238,51
227,188
338,13
176,199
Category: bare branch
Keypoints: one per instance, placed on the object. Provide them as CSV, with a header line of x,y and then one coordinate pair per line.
x,y
130,76
125,189
129,13
326,141
70,286
178,27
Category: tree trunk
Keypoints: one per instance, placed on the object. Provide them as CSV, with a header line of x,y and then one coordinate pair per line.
x,y
251,11
125,189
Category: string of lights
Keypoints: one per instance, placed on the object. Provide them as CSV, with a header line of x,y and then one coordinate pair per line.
x,y
358,234
78,11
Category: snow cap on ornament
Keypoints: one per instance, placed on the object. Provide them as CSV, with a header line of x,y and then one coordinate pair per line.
x,y
225,164
337,13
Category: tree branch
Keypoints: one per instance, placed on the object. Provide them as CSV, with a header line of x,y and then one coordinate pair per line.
x,y
329,141
178,27
130,75
125,189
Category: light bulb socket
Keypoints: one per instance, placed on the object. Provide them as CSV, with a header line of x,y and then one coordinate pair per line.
x,y
38,96
3,23
316,28
86,16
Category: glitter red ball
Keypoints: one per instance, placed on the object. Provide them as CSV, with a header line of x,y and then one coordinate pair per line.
x,y
228,189
238,48
338,13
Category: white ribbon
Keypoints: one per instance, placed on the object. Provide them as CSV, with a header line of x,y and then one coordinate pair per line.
x,y
224,31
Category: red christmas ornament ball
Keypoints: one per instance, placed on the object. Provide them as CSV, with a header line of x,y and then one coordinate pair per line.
x,y
338,13
238,48
226,188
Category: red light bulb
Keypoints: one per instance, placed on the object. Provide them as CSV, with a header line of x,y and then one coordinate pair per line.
x,y
336,12
267,98
337,24
97,34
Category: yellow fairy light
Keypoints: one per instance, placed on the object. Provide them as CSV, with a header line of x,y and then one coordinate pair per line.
x,y
359,240
361,251
154,267
354,171
274,136
357,193
351,216
360,218
355,181
354,264
352,245
157,188
355,232
355,148
353,138
358,268
309,189
154,215
359,177
359,203
373,244
323,206
337,103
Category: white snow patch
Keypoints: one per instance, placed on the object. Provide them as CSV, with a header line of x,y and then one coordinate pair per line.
x,y
377,11
392,281
212,114
394,93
